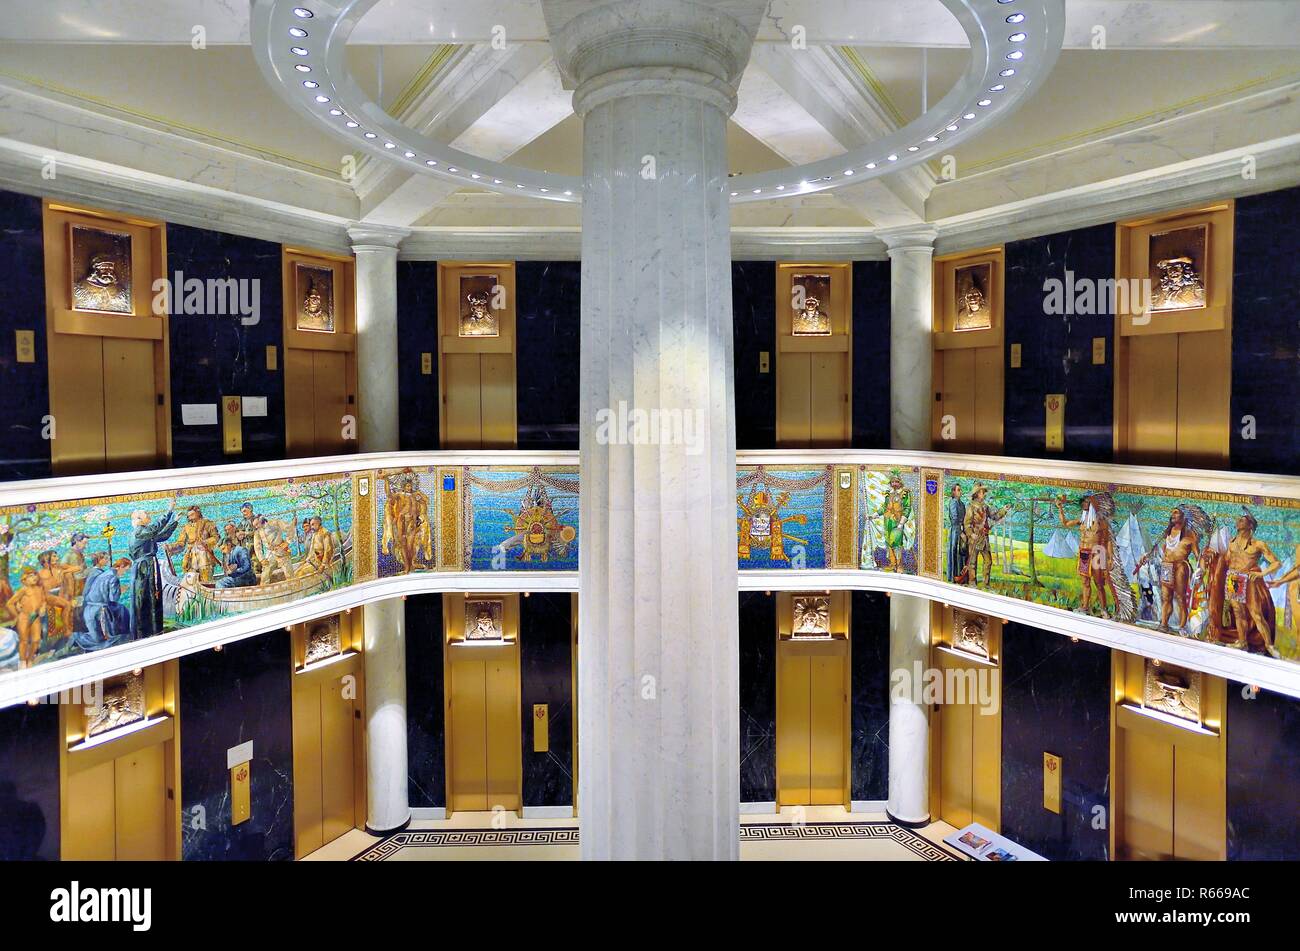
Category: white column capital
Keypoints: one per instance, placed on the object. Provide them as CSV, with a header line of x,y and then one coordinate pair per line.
x,y
909,238
366,236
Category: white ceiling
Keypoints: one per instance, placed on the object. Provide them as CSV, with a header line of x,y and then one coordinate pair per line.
x,y
132,59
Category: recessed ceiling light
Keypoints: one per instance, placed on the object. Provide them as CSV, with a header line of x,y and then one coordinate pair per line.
x,y
336,112
1007,72
893,158
519,186
496,181
567,192
298,50
297,31
1016,18
305,14
371,135
969,115
869,165
1017,37
351,124
310,83
734,194
758,191
780,188
452,168
913,148
848,171
409,154
933,138
953,127
544,189
431,163
985,102
302,68
1016,54
998,88
389,145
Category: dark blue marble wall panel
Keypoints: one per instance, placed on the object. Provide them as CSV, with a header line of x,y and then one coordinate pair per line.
x,y
871,310
228,697
29,782
224,354
1055,699
425,756
1263,776
26,454
870,686
546,676
547,321
753,314
1056,349
757,697
417,333
1265,333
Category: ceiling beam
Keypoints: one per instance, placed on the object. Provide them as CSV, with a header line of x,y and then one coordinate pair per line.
x,y
487,102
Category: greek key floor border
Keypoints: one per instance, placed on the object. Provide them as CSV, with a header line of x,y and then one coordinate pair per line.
x,y
749,832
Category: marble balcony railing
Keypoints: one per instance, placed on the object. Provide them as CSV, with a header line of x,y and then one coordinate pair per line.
x,y
393,524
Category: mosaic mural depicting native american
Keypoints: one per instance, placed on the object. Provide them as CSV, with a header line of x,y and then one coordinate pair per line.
x,y
88,575
783,516
1204,566
887,513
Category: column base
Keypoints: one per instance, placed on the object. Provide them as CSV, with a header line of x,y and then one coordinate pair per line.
x,y
907,823
384,833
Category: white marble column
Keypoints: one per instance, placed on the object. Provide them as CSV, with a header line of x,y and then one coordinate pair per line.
x,y
387,804
375,247
658,677
911,251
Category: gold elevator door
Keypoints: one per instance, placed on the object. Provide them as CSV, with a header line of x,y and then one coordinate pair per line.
x,y
325,711
484,744
968,745
117,809
1176,405
316,402
812,722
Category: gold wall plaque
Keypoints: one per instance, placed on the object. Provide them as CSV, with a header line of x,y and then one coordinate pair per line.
x,y
1054,405
811,616
541,728
241,782
122,703
970,633
1177,262
1015,356
324,639
232,425
426,363
478,311
272,358
1052,782
1098,351
810,300
974,307
483,619
1172,690
25,346
101,270
314,293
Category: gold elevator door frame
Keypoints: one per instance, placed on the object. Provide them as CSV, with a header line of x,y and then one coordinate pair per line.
x,y
484,727
967,368
814,372
328,699
476,374
813,725
120,792
1169,789
966,744
108,373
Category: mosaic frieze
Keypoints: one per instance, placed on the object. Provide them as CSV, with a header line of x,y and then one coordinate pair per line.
x,y
83,576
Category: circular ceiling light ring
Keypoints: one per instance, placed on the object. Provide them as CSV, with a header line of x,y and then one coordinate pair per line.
x,y
365,125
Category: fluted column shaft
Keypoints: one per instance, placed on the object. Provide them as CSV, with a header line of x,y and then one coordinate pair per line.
x,y
658,655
